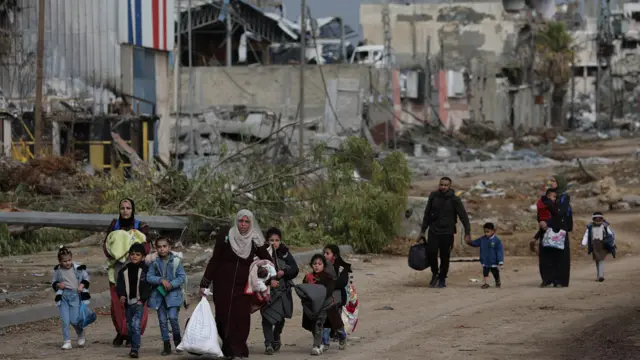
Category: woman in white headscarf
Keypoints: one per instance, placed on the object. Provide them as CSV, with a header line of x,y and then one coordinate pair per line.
x,y
227,274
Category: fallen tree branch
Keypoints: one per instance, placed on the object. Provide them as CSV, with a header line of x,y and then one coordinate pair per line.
x,y
261,184
196,188
587,173
136,162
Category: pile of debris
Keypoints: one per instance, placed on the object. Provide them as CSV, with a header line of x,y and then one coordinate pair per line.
x,y
218,131
50,175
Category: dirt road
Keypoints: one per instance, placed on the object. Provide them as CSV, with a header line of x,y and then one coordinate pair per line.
x,y
402,318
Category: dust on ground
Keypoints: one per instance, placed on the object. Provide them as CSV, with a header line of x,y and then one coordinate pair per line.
x,y
402,318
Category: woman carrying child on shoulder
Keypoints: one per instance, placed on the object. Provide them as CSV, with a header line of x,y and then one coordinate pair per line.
x,y
600,240
71,284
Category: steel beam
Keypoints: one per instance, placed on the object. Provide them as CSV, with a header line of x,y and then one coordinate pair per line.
x,y
89,221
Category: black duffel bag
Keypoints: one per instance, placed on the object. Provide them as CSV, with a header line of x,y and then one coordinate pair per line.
x,y
418,256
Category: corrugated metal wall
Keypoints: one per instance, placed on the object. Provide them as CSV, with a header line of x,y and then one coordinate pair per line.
x,y
82,53
144,78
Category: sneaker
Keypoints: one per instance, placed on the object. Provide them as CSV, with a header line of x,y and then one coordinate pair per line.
x,y
269,350
600,279
66,345
133,354
434,281
277,346
324,348
498,284
342,344
81,340
316,350
485,286
442,283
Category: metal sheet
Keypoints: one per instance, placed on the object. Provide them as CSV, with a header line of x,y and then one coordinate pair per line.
x,y
148,23
82,53
144,78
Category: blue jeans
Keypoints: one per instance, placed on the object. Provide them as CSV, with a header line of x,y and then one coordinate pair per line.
x,y
134,318
168,315
69,312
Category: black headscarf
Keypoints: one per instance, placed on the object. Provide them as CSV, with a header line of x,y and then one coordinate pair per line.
x,y
127,223
338,261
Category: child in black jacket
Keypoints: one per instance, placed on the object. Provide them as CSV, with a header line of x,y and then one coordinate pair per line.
x,y
134,291
287,270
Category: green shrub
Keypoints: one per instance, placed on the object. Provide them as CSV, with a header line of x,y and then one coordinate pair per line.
x,y
46,239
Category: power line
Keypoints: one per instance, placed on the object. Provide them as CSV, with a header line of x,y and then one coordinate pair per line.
x,y
324,82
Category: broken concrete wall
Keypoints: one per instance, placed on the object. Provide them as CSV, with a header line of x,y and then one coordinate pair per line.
x,y
273,87
494,102
466,30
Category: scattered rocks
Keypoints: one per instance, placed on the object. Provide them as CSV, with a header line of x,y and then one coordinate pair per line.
x,y
607,191
633,200
621,206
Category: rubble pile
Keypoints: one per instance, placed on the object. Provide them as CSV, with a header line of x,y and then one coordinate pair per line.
x,y
50,175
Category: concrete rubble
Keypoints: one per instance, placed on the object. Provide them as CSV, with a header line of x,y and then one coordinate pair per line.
x,y
218,131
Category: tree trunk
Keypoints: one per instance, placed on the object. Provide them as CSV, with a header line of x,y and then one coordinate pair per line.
x,y
558,94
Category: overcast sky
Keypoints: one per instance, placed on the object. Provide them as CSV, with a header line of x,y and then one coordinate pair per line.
x,y
349,10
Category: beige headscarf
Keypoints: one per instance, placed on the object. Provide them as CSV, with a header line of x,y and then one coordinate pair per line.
x,y
242,244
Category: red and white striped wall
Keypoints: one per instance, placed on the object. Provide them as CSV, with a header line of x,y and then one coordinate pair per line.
x,y
148,23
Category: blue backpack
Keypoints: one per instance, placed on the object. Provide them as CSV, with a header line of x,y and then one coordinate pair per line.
x,y
562,198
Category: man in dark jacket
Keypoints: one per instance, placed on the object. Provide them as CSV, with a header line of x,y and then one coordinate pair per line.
x,y
440,218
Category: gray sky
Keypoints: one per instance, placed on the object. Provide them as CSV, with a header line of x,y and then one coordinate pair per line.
x,y
349,10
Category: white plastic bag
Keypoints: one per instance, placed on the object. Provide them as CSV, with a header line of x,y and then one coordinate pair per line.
x,y
201,335
553,239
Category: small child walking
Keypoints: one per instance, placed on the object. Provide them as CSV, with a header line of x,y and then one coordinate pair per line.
x,y
71,283
600,240
491,254
166,275
133,291
320,277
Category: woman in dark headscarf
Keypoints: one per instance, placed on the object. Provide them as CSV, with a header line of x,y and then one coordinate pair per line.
x,y
125,221
555,264
227,274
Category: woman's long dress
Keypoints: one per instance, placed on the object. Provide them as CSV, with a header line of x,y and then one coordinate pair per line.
x,y
227,274
118,314
555,265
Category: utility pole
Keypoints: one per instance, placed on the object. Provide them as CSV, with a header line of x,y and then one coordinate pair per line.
x,y
192,142
176,60
229,47
39,80
386,26
427,76
303,61
532,44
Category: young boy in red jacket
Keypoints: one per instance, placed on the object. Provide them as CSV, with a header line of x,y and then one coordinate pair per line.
x,y
546,207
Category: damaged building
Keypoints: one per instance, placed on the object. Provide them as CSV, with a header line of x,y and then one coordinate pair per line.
x,y
477,45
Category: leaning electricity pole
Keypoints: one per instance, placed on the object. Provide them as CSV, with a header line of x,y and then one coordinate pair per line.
x,y
386,27
303,61
39,80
